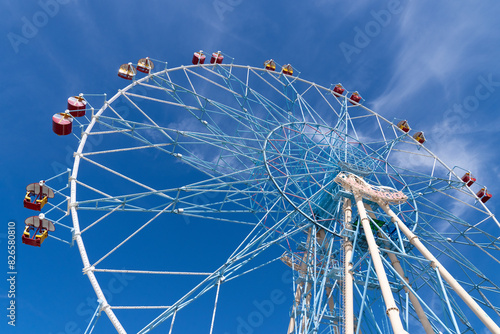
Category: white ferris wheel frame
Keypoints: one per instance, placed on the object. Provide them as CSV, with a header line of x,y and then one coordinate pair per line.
x,y
88,269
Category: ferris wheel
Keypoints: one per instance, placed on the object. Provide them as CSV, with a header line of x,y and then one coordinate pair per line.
x,y
209,177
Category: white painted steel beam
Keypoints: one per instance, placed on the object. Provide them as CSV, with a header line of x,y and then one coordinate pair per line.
x,y
461,292
392,310
348,277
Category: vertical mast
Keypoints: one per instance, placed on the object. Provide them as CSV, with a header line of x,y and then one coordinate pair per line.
x,y
348,279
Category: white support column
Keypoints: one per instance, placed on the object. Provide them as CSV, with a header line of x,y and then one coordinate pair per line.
x,y
348,278
422,317
392,310
471,303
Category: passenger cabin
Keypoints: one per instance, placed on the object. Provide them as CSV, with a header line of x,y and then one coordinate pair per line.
x,y
62,124
36,231
468,179
483,195
338,90
217,57
287,69
145,65
199,58
127,71
486,197
419,136
37,195
77,106
270,65
403,125
355,98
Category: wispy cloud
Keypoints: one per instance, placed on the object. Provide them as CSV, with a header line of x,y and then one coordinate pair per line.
x,y
427,57
434,72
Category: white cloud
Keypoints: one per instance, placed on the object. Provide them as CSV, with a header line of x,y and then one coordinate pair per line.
x,y
427,55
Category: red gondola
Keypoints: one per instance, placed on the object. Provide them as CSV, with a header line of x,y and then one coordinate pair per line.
x,y
37,195
468,179
287,69
127,71
338,90
484,195
37,230
403,125
217,57
62,124
77,106
419,136
355,98
199,58
145,65
270,65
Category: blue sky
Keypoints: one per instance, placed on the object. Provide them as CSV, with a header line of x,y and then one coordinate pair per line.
x,y
435,64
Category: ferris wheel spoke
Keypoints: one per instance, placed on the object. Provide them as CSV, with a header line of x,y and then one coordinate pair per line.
x,y
484,240
389,143
145,114
243,260
237,275
236,195
120,117
243,120
424,184
352,128
127,95
108,204
257,245
101,218
129,237
158,85
235,199
128,149
107,196
460,200
226,271
133,132
274,77
173,93
199,290
255,120
261,223
323,96
123,176
224,109
315,116
492,246
152,272
446,249
431,209
193,90
187,70
208,140
229,111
